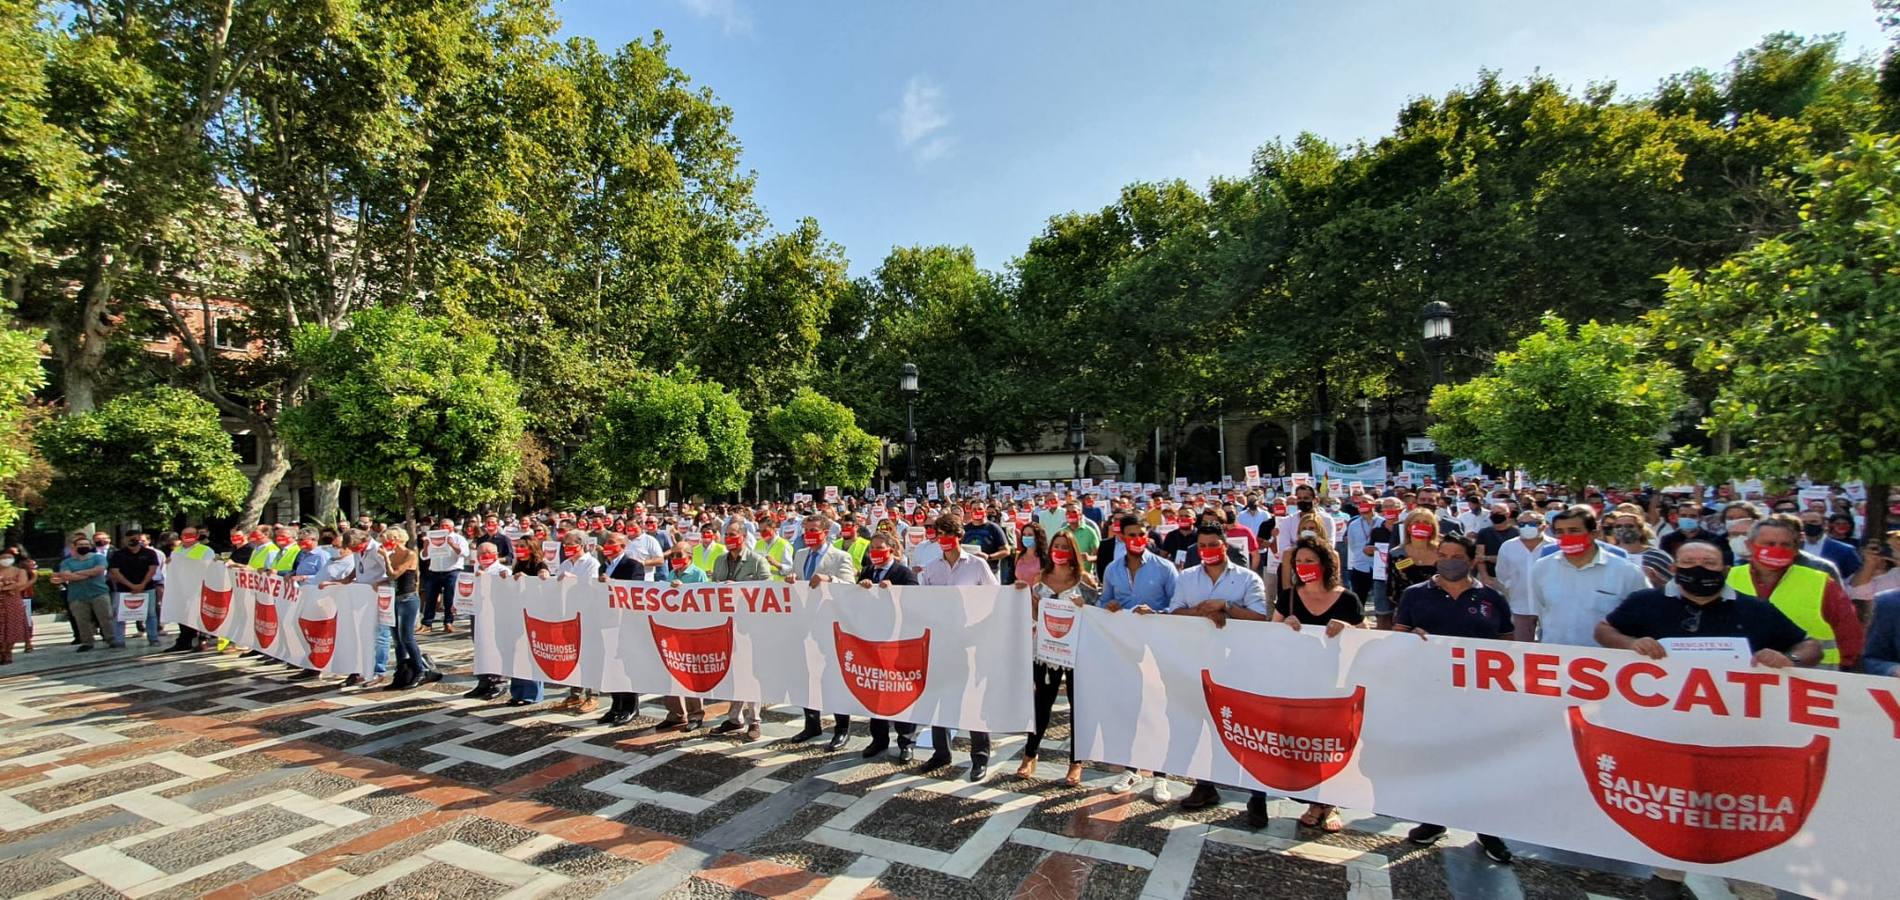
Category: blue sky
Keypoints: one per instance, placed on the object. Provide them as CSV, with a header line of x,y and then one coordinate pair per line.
x,y
971,123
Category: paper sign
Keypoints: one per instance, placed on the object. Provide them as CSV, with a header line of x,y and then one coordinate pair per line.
x,y
831,493
134,606
930,490
914,535
1240,544
1379,554
1818,494
551,552
1253,476
386,604
949,488
1726,652
910,505
1300,478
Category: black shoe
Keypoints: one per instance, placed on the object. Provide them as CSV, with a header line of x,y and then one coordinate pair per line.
x,y
695,723
520,702
979,769
1256,812
670,724
180,648
936,761
353,680
306,675
85,648
401,685
476,692
805,735
607,718
432,676
1660,888
837,741
621,718
906,755
1203,796
1494,847
726,727
484,694
876,749
1425,835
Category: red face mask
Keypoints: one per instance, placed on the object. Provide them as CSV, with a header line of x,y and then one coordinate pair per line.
x,y
1061,557
1773,557
307,544
1074,518
488,559
1420,532
948,543
1136,544
1365,508
571,550
187,539
237,539
1574,544
1308,572
978,516
930,532
735,543
848,532
1211,556
814,539
390,545
679,563
1050,505
1392,515
1279,509
880,556
707,537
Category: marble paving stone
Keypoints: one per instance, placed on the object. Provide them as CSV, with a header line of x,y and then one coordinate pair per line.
x,y
688,825
230,834
571,793
1225,871
925,819
519,739
104,784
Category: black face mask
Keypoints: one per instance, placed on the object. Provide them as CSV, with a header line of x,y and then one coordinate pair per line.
x,y
1699,582
1812,530
1306,506
1498,518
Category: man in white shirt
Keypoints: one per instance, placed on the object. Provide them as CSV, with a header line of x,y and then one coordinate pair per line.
x,y
818,561
1474,519
444,554
1515,556
1570,591
1303,502
582,566
958,566
1217,591
1254,515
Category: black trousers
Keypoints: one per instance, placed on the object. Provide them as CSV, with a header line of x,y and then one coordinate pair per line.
x,y
187,637
881,732
979,743
839,724
1049,681
624,702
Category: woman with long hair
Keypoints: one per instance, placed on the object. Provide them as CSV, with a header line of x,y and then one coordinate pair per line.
x,y
16,612
1032,553
1062,580
411,666
1319,600
1415,560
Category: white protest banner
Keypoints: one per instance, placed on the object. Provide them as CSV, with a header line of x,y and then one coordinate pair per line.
x,y
1055,632
1772,776
332,629
1372,470
958,657
133,605
1855,491
1460,468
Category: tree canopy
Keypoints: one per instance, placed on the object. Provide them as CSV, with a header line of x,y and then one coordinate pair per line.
x,y
147,457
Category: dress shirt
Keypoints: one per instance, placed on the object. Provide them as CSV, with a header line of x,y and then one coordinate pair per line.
x,y
1513,564
967,570
1236,587
1570,600
1152,586
1358,535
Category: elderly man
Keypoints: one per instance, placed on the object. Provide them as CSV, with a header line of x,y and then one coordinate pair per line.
x,y
956,567
741,562
1812,597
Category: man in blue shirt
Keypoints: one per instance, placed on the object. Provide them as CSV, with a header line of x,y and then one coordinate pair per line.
x,y
88,598
1138,578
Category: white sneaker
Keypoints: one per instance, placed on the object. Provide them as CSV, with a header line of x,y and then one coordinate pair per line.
x,y
1128,782
1164,790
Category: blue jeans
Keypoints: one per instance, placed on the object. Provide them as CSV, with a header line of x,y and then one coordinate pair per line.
x,y
384,637
523,689
407,650
438,584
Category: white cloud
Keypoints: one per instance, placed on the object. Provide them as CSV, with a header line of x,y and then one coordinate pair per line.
x,y
732,17
920,120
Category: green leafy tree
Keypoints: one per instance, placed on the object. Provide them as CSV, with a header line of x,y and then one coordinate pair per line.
x,y
409,410
1577,408
1801,334
20,376
673,428
819,440
40,163
149,457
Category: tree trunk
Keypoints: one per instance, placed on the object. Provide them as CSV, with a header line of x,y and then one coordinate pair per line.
x,y
328,492
272,465
1877,523
79,345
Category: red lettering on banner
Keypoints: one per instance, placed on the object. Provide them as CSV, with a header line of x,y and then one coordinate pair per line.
x,y
1626,684
1586,679
1494,667
1699,690
1457,667
776,600
725,600
1809,701
1752,683
1540,674
1884,698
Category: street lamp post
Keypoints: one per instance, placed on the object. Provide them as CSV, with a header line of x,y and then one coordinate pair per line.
x,y
907,385
1076,439
1435,320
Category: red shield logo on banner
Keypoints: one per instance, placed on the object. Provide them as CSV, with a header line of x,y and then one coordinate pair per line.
x,y
264,623
1699,804
556,646
1057,626
464,586
885,676
1286,743
213,607
697,657
320,634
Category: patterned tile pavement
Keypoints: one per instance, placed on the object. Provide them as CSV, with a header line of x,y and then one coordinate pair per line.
x,y
133,774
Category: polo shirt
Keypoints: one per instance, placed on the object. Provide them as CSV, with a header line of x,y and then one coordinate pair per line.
x,y
1479,612
1235,587
1253,518
1569,600
94,586
1153,586
1665,613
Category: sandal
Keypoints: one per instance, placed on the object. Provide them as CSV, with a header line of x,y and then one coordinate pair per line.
x,y
1314,812
1027,770
1075,774
1333,825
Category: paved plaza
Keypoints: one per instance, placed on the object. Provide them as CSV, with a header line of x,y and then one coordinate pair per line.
x,y
212,775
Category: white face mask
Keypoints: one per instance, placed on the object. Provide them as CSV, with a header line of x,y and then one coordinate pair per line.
x,y
1527,532
1309,534
6,561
